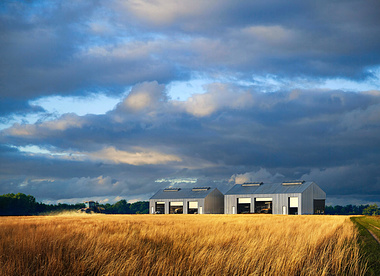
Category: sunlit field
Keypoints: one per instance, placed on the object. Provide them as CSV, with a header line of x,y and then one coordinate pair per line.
x,y
179,245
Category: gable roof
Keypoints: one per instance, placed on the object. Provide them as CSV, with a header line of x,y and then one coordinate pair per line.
x,y
183,193
268,188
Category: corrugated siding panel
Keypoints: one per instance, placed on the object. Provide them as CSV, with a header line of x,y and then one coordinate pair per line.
x,y
278,201
214,203
307,203
318,192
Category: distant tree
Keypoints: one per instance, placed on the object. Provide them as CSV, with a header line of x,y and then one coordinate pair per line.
x,y
345,210
140,207
17,204
371,210
121,207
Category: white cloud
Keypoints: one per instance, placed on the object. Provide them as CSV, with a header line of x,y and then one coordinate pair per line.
x,y
139,157
145,96
218,97
65,122
163,12
255,176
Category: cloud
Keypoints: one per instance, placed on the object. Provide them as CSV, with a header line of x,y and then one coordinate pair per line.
x,y
329,137
256,176
11,107
66,121
144,97
352,175
139,49
219,96
140,157
69,49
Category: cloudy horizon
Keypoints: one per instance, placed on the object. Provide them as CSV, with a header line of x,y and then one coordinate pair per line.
x,y
115,100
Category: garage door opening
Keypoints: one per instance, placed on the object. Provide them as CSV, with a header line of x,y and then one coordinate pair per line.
x,y
319,206
160,208
192,207
176,207
293,206
243,205
263,205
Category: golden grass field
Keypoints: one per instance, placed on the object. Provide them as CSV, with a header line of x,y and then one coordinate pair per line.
x,y
179,245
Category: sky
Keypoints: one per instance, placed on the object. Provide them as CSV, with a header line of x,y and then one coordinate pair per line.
x,y
110,100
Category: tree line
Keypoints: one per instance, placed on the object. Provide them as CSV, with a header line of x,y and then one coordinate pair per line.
x,y
368,210
24,205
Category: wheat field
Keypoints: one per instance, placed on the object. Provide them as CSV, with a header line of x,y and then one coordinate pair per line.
x,y
179,245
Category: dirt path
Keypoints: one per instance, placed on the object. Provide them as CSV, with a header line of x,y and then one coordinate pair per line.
x,y
374,226
374,236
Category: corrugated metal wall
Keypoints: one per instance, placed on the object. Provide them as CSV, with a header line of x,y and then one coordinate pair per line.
x,y
214,203
307,202
278,201
318,192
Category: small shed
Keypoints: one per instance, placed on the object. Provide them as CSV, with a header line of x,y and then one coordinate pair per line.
x,y
198,200
288,198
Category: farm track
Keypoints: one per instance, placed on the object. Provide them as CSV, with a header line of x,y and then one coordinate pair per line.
x,y
374,226
374,236
369,241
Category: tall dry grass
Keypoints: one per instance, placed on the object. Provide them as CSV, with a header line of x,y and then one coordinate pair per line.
x,y
179,245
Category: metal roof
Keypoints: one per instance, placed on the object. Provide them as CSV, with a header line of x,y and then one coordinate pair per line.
x,y
183,193
268,188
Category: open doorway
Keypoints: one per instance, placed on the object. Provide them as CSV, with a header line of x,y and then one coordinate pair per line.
x,y
176,207
192,207
263,205
293,205
160,208
243,205
319,206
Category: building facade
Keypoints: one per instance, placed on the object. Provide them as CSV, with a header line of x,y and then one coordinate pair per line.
x,y
199,200
291,197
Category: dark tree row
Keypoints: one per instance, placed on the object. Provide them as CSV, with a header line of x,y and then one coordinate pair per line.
x,y
24,205
368,210
123,207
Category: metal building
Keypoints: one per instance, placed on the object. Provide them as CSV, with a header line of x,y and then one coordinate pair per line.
x,y
291,197
199,200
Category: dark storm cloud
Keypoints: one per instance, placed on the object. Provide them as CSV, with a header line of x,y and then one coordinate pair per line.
x,y
11,106
330,137
74,48
56,49
322,39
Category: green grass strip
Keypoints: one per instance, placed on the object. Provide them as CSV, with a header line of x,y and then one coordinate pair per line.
x,y
369,247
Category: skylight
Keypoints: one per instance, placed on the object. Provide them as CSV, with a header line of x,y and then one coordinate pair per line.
x,y
251,184
198,189
172,189
296,182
